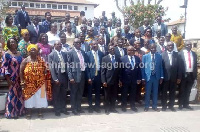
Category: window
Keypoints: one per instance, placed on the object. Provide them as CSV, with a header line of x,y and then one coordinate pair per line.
x,y
26,4
54,6
37,5
49,6
20,3
64,6
59,6
75,7
14,3
43,5
85,8
32,5
69,7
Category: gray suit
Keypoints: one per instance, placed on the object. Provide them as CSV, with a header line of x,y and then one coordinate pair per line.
x,y
59,91
163,29
74,72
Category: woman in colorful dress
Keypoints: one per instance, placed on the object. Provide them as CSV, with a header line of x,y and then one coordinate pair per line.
x,y
9,31
44,47
23,44
11,61
33,81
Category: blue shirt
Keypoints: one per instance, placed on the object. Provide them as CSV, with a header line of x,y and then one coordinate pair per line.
x,y
47,26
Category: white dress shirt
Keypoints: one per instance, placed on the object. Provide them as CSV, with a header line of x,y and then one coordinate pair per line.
x,y
170,57
62,62
52,38
121,50
187,68
175,47
111,56
98,63
102,48
133,59
137,39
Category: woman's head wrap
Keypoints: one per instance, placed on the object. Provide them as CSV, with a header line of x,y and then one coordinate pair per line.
x,y
30,46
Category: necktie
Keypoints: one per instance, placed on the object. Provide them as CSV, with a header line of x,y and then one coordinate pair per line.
x,y
163,49
121,52
82,65
153,65
102,49
62,63
189,59
96,63
36,29
132,62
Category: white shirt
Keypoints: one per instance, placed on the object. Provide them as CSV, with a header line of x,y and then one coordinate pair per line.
x,y
36,27
101,48
137,39
121,50
111,56
170,57
62,64
77,51
98,63
133,59
159,27
52,38
187,69
175,47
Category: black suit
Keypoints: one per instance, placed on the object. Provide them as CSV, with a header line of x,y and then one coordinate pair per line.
x,y
187,79
171,74
23,19
104,50
33,34
129,76
117,52
59,91
110,75
132,41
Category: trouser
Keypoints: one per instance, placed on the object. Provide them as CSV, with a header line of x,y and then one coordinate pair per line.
x,y
138,92
125,89
186,86
96,85
110,96
77,93
59,96
171,86
152,84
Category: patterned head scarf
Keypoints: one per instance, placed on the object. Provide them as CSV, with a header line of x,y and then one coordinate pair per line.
x,y
23,31
30,46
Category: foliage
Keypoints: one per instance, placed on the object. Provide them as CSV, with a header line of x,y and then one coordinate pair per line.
x,y
137,11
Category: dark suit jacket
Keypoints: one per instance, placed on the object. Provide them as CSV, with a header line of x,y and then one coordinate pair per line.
x,y
87,47
171,72
33,34
23,21
91,62
106,50
118,53
142,30
107,40
128,73
183,64
110,74
96,30
132,41
54,65
74,69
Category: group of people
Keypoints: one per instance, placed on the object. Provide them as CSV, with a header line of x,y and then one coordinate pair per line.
x,y
44,62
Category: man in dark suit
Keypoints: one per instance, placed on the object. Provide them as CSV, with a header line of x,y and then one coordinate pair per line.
x,y
110,79
137,37
105,35
23,18
96,26
189,74
144,26
35,30
172,75
58,67
152,75
94,76
119,50
76,73
102,47
129,78
84,45
159,26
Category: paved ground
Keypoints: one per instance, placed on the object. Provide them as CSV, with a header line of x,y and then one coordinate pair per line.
x,y
180,121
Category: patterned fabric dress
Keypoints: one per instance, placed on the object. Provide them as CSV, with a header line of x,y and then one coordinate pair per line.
x,y
22,48
15,103
9,32
37,90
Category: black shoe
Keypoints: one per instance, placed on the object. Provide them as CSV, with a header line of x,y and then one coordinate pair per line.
x,y
180,107
156,109
80,111
97,110
172,109
124,109
90,110
146,109
134,109
107,112
57,114
113,111
188,107
64,111
163,109
75,112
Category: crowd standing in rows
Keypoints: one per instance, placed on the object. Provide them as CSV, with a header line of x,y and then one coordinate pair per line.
x,y
42,62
